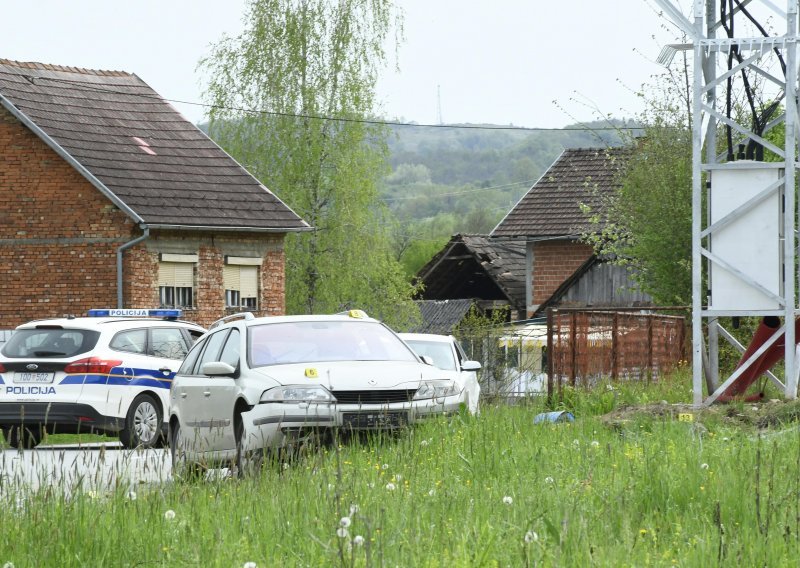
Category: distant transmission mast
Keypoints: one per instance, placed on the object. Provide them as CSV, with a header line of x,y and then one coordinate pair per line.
x,y
439,104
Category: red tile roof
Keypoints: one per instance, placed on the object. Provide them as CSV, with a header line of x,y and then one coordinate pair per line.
x,y
142,151
552,207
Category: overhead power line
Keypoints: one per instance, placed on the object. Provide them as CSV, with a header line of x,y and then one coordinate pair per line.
x,y
100,88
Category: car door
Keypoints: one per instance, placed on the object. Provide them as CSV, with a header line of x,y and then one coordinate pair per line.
x,y
202,390
186,395
224,391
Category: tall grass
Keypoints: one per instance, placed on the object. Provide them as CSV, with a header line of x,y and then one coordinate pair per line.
x,y
493,490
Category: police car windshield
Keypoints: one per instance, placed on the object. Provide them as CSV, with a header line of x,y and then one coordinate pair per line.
x,y
50,343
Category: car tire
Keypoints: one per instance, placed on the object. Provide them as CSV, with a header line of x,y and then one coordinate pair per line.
x,y
183,469
143,423
248,462
22,437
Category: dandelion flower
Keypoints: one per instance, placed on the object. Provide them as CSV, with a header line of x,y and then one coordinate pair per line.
x,y
341,532
531,536
169,515
390,486
703,466
358,540
354,509
508,500
642,532
344,522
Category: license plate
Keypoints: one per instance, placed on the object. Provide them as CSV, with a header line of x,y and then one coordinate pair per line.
x,y
374,419
34,377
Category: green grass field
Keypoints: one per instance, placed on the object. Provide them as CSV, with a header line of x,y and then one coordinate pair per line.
x,y
642,488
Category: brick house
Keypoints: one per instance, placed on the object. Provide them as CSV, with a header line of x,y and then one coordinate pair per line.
x,y
110,198
550,217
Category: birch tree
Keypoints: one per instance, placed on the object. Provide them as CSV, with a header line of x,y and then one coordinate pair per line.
x,y
291,100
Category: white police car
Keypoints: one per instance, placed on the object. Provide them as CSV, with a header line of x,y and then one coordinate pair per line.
x,y
107,373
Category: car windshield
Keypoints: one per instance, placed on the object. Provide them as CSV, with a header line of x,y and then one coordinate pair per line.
x,y
50,342
439,352
312,341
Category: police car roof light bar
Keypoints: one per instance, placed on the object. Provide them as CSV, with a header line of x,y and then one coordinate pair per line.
x,y
135,313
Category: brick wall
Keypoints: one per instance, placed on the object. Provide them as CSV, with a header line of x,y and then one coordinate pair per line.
x,y
59,238
554,262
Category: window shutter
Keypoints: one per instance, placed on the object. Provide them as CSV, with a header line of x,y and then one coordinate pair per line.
x,y
230,277
248,276
179,274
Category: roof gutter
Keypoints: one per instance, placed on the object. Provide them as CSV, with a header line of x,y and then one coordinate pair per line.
x,y
120,250
232,229
56,147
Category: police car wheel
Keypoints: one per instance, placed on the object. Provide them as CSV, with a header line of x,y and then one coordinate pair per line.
x,y
22,436
142,424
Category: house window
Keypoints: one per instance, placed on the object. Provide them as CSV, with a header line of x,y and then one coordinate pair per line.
x,y
240,280
176,280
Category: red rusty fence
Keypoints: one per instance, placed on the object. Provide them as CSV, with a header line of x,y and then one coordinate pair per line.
x,y
586,346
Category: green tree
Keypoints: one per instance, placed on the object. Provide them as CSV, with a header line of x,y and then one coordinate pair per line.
x,y
306,70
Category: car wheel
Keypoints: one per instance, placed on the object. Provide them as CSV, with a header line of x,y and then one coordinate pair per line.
x,y
143,423
248,462
22,436
183,469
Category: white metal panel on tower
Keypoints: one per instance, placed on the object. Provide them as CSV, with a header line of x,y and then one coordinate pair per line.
x,y
750,243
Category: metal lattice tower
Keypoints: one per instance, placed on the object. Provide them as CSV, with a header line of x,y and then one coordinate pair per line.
x,y
744,232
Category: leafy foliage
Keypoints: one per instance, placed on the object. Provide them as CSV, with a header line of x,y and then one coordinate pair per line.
x,y
297,62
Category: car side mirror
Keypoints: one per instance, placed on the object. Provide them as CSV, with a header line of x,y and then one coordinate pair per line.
x,y
427,359
217,369
470,366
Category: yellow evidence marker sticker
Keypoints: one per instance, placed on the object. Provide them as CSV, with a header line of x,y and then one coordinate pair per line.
x,y
311,373
685,417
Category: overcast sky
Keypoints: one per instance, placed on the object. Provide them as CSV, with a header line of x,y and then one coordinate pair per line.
x,y
479,61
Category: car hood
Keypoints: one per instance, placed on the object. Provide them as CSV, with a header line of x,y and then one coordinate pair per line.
x,y
354,375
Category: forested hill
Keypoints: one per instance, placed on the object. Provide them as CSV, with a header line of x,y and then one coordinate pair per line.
x,y
483,154
448,180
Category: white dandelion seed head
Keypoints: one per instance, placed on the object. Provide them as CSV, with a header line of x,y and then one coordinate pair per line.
x,y
609,386
531,536
423,443
508,500
131,496
595,443
344,522
576,443
354,509
549,479
330,487
431,493
8,565
385,466
703,466
371,485
398,477
725,439
92,495
358,540
249,565
390,486
341,532
285,465
169,514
